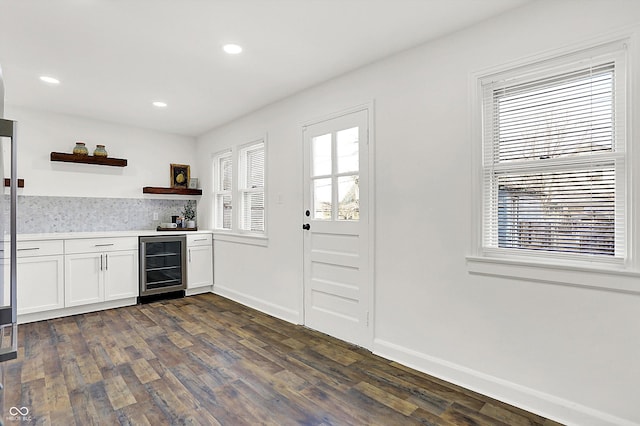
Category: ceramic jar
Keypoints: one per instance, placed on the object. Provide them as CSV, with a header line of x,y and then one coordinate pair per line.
x,y
100,151
80,149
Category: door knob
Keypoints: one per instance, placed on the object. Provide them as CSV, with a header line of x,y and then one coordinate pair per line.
x,y
306,226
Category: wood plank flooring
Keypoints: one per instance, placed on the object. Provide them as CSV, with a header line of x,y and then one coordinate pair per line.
x,y
210,361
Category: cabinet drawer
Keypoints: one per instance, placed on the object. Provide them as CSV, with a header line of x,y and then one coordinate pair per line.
x,y
198,240
99,245
39,248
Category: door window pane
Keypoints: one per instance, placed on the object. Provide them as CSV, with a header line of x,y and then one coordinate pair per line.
x,y
348,198
347,150
321,155
322,198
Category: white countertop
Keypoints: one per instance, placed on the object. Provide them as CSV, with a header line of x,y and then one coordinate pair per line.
x,y
105,234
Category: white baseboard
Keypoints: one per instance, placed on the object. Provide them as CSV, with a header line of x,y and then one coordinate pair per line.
x,y
541,403
277,311
75,310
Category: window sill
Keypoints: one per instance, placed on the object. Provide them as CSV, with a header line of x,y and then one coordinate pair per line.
x,y
254,240
612,279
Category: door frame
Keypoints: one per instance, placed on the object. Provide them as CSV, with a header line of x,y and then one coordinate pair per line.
x,y
368,106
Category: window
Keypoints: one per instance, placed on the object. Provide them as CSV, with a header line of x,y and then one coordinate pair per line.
x,y
335,168
223,177
239,189
251,188
554,159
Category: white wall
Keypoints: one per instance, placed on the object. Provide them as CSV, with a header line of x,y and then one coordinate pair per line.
x,y
569,353
1,94
149,156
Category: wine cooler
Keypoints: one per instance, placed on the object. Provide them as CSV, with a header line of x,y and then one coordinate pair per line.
x,y
163,263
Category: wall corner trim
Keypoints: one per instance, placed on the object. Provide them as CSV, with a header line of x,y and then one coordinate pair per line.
x,y
541,403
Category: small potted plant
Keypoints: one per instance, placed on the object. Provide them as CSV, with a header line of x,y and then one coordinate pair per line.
x,y
189,213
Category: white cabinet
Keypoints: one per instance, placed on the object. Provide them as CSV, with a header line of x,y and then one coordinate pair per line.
x,y
121,275
100,269
84,281
40,273
84,273
199,260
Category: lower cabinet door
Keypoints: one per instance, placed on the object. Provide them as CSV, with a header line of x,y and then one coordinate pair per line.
x,y
199,266
121,274
40,284
84,280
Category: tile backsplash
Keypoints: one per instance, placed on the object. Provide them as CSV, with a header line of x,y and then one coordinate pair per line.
x,y
38,214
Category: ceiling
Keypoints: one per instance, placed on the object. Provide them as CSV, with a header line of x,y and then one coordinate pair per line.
x,y
114,57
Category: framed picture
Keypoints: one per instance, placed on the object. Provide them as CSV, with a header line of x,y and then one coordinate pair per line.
x,y
193,183
180,174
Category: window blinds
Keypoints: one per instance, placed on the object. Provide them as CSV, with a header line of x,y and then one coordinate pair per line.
x,y
255,167
252,190
565,115
553,166
224,187
226,173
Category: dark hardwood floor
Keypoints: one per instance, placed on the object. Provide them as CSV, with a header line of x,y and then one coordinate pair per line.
x,y
207,360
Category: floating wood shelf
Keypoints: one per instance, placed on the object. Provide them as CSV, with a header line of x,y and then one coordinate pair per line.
x,y
177,191
88,159
7,182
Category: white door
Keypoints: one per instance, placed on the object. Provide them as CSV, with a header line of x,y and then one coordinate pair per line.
x,y
40,284
84,281
120,274
336,224
199,266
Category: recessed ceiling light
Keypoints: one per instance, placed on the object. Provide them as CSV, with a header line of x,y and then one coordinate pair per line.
x,y
159,104
49,80
232,49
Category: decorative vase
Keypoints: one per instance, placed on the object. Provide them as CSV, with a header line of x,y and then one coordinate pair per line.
x,y
80,149
191,223
100,151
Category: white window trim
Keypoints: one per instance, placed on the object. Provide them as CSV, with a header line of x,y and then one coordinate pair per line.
x,y
556,269
235,234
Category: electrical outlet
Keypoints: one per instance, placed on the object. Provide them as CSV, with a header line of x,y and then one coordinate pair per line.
x,y
155,215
